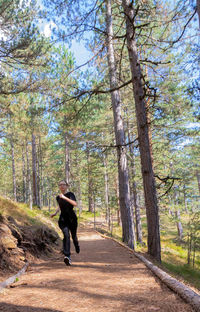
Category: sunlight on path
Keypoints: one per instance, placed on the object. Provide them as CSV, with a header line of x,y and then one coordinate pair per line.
x,y
103,277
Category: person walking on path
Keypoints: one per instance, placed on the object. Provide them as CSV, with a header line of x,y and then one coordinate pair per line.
x,y
67,220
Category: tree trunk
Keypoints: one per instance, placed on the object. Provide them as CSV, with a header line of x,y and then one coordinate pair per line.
x,y
179,225
67,159
13,169
29,178
185,198
198,180
34,170
198,10
154,248
119,223
90,197
38,180
79,192
94,210
41,173
134,188
49,201
124,191
24,175
106,191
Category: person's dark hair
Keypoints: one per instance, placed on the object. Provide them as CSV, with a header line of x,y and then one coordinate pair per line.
x,y
67,184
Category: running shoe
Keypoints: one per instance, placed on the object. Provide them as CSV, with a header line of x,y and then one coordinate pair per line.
x,y
67,261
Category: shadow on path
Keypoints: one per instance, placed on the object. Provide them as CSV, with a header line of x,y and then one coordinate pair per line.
x,y
8,307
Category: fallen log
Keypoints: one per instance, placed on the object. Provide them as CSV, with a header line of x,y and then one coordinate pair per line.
x,y
12,279
185,292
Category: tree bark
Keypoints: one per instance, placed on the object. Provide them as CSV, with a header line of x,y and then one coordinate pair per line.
x,y
24,175
13,169
80,204
67,158
154,248
124,191
90,191
79,192
106,192
34,170
49,200
179,225
38,179
198,10
29,178
119,222
185,198
41,173
134,188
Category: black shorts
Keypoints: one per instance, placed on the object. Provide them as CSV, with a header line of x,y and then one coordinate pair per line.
x,y
70,222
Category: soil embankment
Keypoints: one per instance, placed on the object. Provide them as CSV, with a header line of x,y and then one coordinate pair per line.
x,y
20,243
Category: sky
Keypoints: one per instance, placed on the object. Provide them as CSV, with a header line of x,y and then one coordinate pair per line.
x,y
81,54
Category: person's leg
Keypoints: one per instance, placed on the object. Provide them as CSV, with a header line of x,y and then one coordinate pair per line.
x,y
73,230
66,241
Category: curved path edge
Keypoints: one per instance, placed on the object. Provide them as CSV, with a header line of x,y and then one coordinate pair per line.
x,y
182,290
12,279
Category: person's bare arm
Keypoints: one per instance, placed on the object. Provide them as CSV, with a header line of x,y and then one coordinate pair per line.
x,y
54,214
72,202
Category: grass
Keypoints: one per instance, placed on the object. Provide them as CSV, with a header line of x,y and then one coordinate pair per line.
x,y
24,215
185,272
87,216
174,253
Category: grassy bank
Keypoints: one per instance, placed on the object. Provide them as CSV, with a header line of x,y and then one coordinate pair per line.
x,y
24,215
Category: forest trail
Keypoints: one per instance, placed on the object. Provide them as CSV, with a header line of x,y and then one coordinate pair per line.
x,y
104,277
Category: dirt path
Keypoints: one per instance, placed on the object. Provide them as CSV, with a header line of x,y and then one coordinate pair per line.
x,y
104,277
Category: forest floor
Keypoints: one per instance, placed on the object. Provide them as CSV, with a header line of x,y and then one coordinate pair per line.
x,y
103,277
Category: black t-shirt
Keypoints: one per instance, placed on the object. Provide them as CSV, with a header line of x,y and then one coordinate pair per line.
x,y
66,208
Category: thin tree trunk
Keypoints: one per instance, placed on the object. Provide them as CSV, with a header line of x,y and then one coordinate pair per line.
x,y
118,204
67,159
106,191
189,248
24,175
124,191
80,204
154,248
29,178
13,169
90,197
79,193
41,173
185,199
34,170
198,180
179,225
198,10
38,178
134,188
49,200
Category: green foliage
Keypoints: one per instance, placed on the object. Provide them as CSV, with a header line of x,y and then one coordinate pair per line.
x,y
42,94
183,271
193,237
